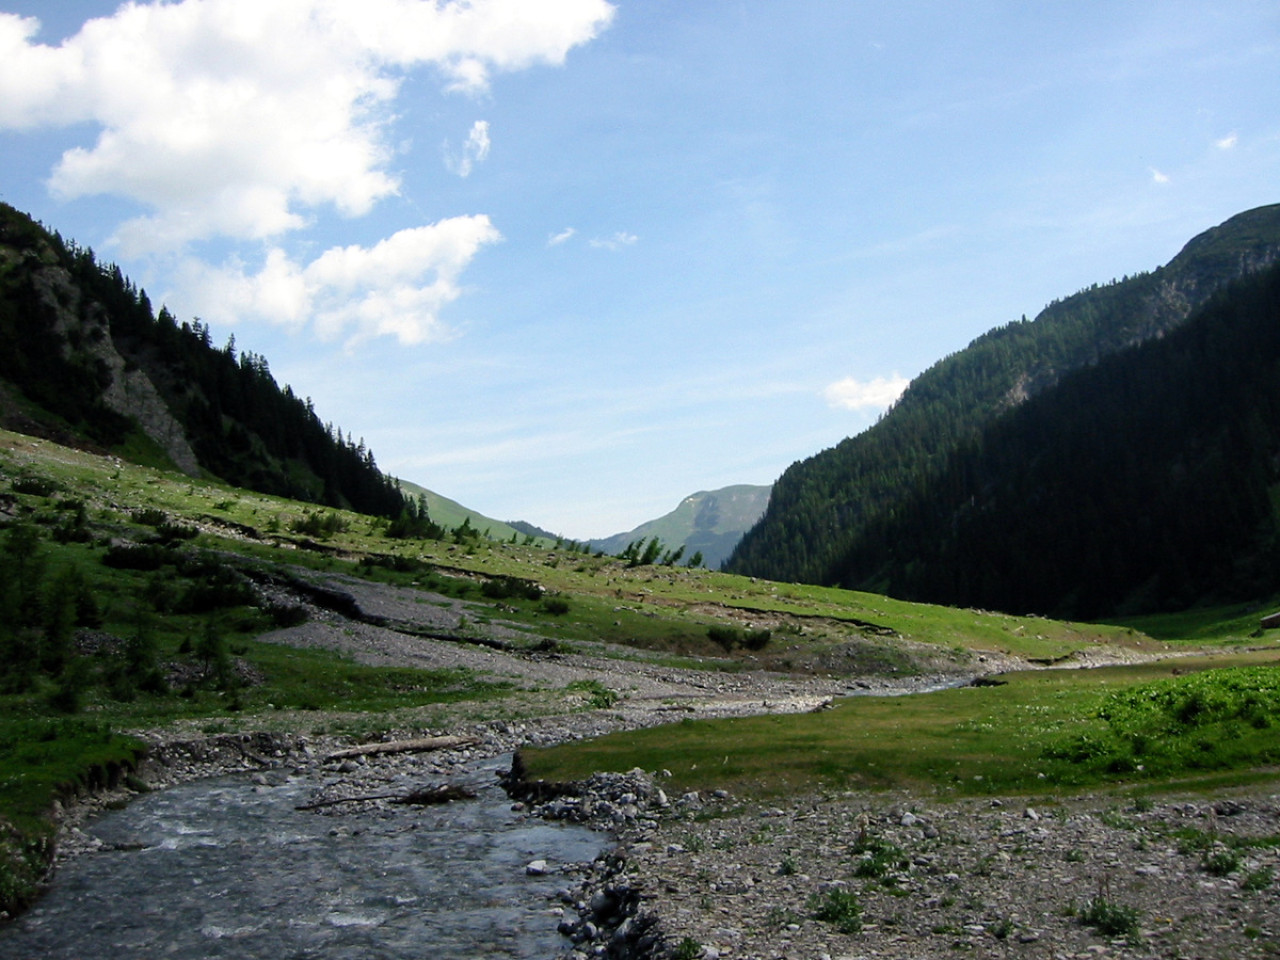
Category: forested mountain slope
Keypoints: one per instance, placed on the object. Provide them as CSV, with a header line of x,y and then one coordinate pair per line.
x,y
1148,481
84,361
821,507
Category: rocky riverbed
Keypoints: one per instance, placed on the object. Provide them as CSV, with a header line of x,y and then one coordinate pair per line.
x,y
717,876
870,875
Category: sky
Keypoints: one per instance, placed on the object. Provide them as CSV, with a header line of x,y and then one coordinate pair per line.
x,y
569,261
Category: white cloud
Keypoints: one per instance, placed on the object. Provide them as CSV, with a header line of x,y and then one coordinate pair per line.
x,y
558,238
239,118
616,242
851,394
1158,178
1227,142
473,151
394,288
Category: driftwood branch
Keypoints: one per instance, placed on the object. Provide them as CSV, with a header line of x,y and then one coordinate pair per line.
x,y
402,746
427,796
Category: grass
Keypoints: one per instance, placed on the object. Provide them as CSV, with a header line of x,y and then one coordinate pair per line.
x,y
970,740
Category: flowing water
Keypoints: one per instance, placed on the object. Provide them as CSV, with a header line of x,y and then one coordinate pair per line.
x,y
227,868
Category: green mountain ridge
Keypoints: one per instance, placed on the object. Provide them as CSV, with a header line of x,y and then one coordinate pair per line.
x,y
452,514
1148,482
822,506
710,522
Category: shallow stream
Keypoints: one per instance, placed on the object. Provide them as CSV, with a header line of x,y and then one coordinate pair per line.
x,y
229,868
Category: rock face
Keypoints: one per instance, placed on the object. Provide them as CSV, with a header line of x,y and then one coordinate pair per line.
x,y
130,392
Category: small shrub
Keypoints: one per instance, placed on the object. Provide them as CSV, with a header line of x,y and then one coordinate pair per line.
x,y
1258,880
725,637
599,696
35,486
687,949
138,556
504,588
838,907
322,525
1220,863
1109,918
286,614
174,532
556,605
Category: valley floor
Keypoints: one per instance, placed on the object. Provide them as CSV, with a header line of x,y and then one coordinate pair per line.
x,y
987,878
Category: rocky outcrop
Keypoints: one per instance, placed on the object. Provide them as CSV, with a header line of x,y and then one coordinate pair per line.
x,y
84,328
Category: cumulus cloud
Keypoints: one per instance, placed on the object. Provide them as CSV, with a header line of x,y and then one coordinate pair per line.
x,y
1158,178
852,394
558,238
1227,142
396,287
616,242
473,151
239,118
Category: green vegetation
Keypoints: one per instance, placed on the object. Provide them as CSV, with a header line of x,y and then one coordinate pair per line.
x,y
1109,918
1150,473
62,311
1042,731
878,509
708,524
840,908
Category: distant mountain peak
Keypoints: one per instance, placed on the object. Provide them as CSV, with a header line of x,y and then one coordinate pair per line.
x,y
710,522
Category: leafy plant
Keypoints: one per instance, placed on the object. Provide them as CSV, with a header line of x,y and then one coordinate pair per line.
x,y
1258,880
1220,863
557,606
838,907
598,696
1110,918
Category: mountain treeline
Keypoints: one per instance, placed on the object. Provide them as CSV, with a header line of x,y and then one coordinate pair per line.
x,y
86,361
1149,481
821,508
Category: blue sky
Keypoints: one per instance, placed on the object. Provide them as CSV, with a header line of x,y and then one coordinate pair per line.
x,y
570,261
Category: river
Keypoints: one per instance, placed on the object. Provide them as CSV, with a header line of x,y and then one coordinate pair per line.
x,y
229,868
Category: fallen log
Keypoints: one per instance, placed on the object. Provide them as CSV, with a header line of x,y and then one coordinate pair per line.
x,y
427,796
402,746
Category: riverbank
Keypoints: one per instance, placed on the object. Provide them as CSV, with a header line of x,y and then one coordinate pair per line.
x,y
897,877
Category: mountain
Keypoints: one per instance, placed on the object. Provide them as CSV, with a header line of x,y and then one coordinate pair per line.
x,y
1147,482
709,522
87,363
821,507
451,514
